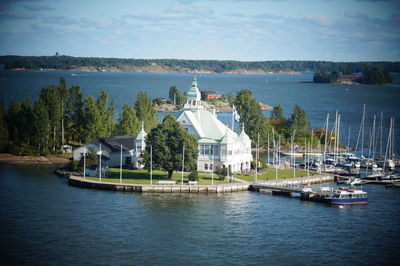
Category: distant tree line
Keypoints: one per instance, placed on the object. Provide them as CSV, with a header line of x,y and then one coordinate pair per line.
x,y
325,76
376,75
217,66
63,115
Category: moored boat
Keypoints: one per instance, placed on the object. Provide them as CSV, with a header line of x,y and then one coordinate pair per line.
x,y
341,196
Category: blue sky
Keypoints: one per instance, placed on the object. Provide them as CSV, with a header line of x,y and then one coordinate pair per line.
x,y
247,30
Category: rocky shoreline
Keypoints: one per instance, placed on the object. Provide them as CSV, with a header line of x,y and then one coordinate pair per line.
x,y
162,69
50,159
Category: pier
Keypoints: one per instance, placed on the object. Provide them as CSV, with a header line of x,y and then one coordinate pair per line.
x,y
285,186
290,186
87,183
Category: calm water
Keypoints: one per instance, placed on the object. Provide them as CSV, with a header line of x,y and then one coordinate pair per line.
x,y
45,221
287,90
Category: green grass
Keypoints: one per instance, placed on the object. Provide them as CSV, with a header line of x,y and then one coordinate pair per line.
x,y
269,174
143,177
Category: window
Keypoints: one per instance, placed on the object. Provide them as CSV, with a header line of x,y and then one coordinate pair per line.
x,y
211,166
206,167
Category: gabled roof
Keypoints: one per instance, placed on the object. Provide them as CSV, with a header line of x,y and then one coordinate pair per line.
x,y
114,143
206,124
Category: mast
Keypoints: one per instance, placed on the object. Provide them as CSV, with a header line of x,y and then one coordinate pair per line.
x,y
348,140
326,140
361,132
387,147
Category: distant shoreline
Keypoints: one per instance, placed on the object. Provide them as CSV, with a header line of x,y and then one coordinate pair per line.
x,y
162,70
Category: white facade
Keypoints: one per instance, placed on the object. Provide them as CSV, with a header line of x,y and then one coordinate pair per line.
x,y
132,149
219,146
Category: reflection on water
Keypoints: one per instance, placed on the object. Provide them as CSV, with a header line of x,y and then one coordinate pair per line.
x,y
44,220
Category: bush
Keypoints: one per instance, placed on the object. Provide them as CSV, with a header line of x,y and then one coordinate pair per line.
x,y
74,166
193,176
222,172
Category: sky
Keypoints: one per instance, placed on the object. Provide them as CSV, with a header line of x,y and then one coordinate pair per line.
x,y
245,30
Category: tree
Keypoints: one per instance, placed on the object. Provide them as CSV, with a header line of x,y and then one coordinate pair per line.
x,y
128,124
92,121
251,115
145,111
41,127
74,114
175,95
167,141
3,129
299,119
277,113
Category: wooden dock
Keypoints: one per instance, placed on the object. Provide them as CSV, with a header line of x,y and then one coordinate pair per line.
x,y
290,186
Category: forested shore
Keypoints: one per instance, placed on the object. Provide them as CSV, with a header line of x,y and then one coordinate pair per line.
x,y
57,62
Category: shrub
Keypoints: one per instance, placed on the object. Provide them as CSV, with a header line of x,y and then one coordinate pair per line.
x,y
193,176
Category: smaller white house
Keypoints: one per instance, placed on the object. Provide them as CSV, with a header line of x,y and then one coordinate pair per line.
x,y
132,148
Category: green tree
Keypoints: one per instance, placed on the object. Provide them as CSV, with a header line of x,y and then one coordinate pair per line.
x,y
174,95
15,127
145,111
106,115
26,121
3,129
92,120
277,113
299,119
128,124
251,115
41,127
74,115
167,141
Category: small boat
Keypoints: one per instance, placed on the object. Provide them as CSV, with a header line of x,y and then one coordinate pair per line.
x,y
354,182
340,196
295,154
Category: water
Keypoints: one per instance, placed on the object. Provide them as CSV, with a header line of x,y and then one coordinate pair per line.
x,y
45,221
287,90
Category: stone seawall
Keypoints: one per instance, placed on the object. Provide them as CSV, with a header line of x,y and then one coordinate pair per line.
x,y
86,183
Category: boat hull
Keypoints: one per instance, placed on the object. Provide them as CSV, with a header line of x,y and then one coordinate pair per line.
x,y
347,201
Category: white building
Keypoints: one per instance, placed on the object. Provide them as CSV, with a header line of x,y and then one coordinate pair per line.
x,y
132,148
219,146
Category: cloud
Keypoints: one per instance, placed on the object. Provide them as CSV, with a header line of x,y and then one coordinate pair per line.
x,y
355,14
59,20
320,20
6,15
35,8
268,16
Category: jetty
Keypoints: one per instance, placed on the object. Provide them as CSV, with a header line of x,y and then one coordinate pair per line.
x,y
281,185
290,186
78,181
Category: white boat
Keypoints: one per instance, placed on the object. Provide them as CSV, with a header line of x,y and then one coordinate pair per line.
x,y
295,154
313,154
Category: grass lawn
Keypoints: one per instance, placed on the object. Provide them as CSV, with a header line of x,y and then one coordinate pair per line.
x,y
269,174
143,177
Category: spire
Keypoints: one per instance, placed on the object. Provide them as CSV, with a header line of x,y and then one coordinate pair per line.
x,y
142,134
193,97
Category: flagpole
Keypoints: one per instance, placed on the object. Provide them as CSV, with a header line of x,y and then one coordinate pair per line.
x,y
100,165
151,164
233,111
120,167
212,170
183,160
84,163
